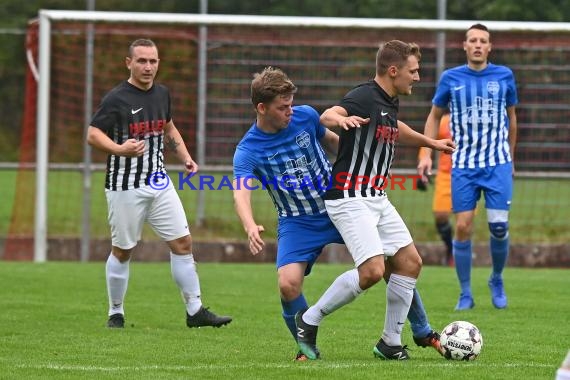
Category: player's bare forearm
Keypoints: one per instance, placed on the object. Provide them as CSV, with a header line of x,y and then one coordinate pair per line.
x,y
242,204
332,117
431,127
337,116
408,136
330,142
173,143
99,140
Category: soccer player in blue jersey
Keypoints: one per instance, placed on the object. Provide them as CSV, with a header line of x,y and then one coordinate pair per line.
x,y
285,151
481,98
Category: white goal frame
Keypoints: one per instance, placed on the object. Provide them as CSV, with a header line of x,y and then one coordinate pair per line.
x,y
46,17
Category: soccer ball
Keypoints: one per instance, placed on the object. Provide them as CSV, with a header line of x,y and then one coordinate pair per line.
x,y
461,340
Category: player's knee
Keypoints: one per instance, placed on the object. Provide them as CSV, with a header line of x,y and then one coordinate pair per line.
x,y
416,263
289,288
122,255
499,230
369,275
181,245
463,228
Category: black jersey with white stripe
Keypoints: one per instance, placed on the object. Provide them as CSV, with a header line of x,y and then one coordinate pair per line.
x,y
365,154
130,112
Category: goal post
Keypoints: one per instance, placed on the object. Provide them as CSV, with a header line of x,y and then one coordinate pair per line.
x,y
330,32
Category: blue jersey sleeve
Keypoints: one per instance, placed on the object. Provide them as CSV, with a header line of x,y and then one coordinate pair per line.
x,y
512,97
244,163
441,96
315,121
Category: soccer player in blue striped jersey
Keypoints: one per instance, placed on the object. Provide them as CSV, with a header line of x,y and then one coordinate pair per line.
x,y
284,151
481,98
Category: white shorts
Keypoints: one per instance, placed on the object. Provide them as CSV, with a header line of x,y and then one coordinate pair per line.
x,y
129,209
369,226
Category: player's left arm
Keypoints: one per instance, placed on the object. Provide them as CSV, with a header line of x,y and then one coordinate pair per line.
x,y
330,142
174,143
242,204
512,114
410,137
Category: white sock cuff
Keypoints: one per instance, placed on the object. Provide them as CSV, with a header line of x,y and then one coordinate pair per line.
x,y
404,281
187,257
355,279
112,259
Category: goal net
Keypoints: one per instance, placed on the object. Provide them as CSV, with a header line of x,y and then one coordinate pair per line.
x,y
325,57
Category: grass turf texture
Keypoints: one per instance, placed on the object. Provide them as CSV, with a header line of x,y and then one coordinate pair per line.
x,y
538,213
52,325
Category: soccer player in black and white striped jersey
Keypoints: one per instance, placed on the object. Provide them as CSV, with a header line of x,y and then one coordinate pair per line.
x,y
357,204
132,125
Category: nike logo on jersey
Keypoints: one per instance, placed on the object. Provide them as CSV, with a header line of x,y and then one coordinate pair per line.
x,y
273,156
457,88
135,111
382,113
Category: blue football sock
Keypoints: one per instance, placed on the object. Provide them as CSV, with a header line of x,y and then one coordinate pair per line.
x,y
499,252
462,255
290,308
418,317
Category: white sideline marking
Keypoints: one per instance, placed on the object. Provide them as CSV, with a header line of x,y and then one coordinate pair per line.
x,y
321,365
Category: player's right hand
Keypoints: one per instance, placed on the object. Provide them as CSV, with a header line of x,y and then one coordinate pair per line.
x,y
132,148
256,243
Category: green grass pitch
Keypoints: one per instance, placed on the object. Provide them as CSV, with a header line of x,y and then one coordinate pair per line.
x,y
52,326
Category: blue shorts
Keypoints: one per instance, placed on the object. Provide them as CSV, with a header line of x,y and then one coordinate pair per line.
x,y
495,181
302,238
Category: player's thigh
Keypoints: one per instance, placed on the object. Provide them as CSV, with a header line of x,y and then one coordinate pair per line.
x,y
392,230
498,187
465,189
166,215
357,223
442,193
302,239
127,211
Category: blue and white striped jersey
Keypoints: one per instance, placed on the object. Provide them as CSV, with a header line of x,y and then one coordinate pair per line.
x,y
478,102
291,164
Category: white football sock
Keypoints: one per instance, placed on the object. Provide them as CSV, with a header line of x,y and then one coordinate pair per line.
x,y
399,294
184,274
117,275
342,291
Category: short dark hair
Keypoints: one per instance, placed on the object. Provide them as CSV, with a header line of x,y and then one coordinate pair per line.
x,y
395,53
270,83
140,42
477,26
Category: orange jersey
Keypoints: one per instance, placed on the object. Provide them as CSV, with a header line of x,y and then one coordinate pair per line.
x,y
444,163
